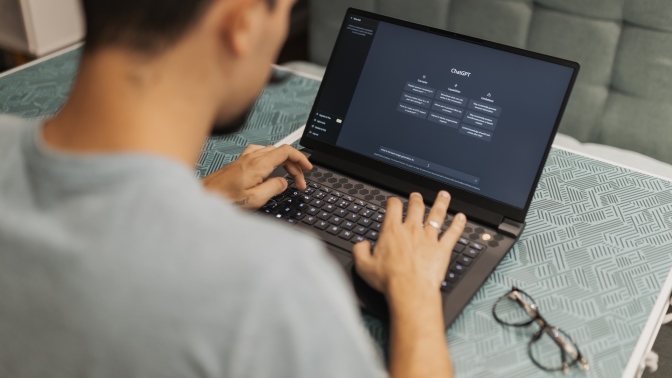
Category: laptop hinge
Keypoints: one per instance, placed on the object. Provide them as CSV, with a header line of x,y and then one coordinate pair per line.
x,y
511,228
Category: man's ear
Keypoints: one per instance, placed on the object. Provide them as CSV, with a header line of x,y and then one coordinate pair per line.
x,y
237,21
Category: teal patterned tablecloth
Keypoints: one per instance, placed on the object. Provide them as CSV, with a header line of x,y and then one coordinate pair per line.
x,y
596,250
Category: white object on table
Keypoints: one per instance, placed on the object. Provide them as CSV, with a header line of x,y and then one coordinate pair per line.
x,y
39,27
291,138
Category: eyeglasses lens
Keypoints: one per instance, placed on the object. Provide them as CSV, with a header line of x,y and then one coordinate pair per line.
x,y
511,312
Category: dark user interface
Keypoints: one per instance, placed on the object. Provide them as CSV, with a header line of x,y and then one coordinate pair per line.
x,y
463,114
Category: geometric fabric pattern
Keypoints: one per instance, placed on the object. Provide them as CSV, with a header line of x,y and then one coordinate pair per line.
x,y
595,252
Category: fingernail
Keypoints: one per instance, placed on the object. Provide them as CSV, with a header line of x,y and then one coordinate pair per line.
x,y
445,194
460,217
415,194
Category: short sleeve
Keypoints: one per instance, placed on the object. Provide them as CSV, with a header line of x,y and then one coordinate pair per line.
x,y
303,323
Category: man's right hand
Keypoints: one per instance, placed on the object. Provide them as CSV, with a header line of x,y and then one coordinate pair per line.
x,y
409,254
408,265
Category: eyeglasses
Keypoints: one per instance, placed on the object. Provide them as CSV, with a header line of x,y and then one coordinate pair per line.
x,y
518,309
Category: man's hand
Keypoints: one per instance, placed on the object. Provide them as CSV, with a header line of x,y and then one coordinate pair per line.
x,y
409,254
244,181
408,265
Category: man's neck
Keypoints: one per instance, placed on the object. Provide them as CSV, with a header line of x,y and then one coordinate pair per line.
x,y
119,104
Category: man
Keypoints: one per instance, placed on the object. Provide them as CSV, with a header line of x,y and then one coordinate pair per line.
x,y
116,262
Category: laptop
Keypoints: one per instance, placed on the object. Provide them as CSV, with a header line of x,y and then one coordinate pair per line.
x,y
408,108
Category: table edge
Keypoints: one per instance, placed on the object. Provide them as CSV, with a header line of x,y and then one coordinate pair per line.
x,y
651,328
611,162
42,59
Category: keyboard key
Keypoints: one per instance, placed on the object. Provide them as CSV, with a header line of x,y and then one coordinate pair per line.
x,y
340,212
379,217
337,194
453,256
372,207
463,241
343,204
360,230
312,210
292,220
348,225
267,211
314,185
355,208
376,226
352,217
478,246
273,205
451,277
465,260
305,198
321,224
365,222
287,210
325,189
446,286
310,219
329,207
294,193
349,198
373,235
334,230
345,234
324,215
359,202
459,248
382,211
331,199
309,191
317,203
320,195
357,239
366,213
457,268
302,206
278,197
298,215
473,253
336,220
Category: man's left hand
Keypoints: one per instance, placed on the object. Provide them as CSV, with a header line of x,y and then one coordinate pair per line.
x,y
244,181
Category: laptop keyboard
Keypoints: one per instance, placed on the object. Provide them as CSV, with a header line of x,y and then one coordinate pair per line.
x,y
344,220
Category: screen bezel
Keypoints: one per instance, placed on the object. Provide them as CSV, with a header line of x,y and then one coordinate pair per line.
x,y
504,209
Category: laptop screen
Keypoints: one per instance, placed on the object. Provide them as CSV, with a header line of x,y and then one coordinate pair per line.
x,y
458,112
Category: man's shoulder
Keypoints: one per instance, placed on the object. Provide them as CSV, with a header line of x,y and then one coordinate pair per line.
x,y
11,128
205,223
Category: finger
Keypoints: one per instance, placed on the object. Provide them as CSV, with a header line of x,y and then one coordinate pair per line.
x,y
297,174
250,149
262,150
416,210
395,209
454,232
280,156
438,211
365,264
261,193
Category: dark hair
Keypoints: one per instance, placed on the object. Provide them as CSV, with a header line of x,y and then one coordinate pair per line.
x,y
145,26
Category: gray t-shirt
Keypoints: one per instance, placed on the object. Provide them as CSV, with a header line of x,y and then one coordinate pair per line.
x,y
123,266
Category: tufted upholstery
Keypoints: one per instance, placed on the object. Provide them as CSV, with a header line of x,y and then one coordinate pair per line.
x,y
623,95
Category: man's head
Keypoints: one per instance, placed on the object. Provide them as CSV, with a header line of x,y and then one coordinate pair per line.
x,y
234,42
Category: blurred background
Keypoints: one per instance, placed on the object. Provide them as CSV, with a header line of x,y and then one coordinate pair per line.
x,y
30,29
